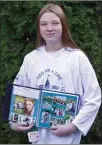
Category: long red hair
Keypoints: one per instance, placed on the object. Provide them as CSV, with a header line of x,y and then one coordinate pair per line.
x,y
25,109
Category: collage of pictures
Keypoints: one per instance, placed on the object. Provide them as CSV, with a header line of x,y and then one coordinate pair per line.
x,y
23,109
57,109
48,109
22,118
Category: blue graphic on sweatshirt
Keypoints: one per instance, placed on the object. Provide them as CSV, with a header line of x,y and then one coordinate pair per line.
x,y
50,80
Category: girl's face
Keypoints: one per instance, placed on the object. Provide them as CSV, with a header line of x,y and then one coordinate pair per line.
x,y
50,28
29,105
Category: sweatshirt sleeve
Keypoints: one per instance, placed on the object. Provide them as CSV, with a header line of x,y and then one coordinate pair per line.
x,y
91,94
22,77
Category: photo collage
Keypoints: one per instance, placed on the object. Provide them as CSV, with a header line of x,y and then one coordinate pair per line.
x,y
23,110
57,109
44,108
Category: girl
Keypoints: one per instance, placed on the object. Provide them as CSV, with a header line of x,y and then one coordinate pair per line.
x,y
29,106
58,64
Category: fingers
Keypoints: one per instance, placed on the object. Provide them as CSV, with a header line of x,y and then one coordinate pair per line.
x,y
21,126
53,131
54,127
24,128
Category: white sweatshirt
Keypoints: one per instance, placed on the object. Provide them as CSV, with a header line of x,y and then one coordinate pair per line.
x,y
66,70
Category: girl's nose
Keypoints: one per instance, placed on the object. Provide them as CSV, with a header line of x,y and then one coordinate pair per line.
x,y
49,27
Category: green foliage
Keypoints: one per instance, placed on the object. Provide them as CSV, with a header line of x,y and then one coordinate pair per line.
x,y
67,117
18,37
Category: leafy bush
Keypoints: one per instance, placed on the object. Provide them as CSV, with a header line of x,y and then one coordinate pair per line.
x,y
18,37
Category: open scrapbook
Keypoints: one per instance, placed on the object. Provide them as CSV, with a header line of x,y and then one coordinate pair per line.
x,y
44,107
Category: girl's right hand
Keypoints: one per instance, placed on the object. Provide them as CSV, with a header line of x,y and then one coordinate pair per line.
x,y
21,126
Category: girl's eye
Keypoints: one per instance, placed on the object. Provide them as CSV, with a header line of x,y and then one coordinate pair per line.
x,y
55,23
44,24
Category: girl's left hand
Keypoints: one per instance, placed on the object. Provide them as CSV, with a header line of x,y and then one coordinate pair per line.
x,y
63,130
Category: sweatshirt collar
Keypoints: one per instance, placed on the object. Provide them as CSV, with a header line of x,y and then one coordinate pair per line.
x,y
55,53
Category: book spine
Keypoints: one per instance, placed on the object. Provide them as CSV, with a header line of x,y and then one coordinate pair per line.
x,y
39,109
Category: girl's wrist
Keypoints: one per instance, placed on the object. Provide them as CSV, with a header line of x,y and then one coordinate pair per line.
x,y
73,127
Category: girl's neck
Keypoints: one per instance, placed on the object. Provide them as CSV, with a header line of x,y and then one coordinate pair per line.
x,y
53,47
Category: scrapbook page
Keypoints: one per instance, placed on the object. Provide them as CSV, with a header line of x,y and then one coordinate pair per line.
x,y
57,108
43,107
24,104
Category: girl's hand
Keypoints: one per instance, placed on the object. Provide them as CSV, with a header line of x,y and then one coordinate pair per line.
x,y
21,126
63,130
